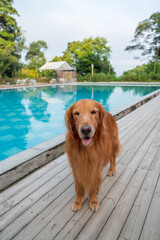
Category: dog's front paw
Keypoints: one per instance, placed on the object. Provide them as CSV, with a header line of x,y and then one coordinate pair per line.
x,y
94,205
111,173
76,205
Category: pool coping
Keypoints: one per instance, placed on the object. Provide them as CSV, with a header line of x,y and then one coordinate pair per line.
x,y
19,165
154,84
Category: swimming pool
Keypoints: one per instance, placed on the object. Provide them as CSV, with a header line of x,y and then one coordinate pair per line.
x,y
29,116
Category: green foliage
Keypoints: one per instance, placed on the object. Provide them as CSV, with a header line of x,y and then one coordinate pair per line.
x,y
26,73
11,40
35,54
44,76
81,54
141,73
147,38
7,21
57,59
48,73
98,77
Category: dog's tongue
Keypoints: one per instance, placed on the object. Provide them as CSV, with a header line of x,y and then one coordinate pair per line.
x,y
86,141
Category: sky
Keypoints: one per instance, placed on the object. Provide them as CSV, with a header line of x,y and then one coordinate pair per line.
x,y
62,21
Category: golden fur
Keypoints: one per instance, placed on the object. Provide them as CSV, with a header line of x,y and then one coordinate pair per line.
x,y
88,161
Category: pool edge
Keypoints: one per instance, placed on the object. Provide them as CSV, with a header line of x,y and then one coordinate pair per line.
x,y
19,165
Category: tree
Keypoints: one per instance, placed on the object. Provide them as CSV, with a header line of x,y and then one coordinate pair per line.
x,y
90,51
11,39
147,38
57,59
35,54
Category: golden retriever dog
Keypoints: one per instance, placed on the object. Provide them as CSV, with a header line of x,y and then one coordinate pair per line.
x,y
91,143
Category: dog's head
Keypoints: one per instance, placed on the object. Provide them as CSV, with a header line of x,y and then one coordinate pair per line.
x,y
84,119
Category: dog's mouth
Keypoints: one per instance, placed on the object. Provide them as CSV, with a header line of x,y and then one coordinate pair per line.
x,y
87,141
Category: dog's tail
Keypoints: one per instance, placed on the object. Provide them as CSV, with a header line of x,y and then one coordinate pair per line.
x,y
118,149
118,146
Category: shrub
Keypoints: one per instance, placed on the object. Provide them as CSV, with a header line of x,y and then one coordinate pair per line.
x,y
97,77
152,76
26,73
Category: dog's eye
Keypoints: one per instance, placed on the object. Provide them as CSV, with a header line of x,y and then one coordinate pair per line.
x,y
93,112
76,113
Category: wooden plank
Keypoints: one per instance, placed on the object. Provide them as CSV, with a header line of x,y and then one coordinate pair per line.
x,y
132,139
156,163
136,141
147,136
93,223
42,193
152,102
65,232
151,228
34,227
131,123
137,120
17,187
135,112
57,223
11,202
113,226
133,226
43,219
115,223
152,149
139,125
23,220
138,112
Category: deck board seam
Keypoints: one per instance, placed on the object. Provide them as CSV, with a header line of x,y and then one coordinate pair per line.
x,y
149,206
137,196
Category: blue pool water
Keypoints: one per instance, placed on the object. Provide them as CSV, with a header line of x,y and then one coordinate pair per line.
x,y
29,116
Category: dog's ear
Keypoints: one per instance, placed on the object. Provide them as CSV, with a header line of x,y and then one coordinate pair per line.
x,y
101,114
69,120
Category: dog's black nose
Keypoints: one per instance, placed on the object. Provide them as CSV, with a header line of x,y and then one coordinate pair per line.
x,y
86,129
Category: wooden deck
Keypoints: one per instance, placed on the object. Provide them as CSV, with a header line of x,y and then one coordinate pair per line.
x,y
39,206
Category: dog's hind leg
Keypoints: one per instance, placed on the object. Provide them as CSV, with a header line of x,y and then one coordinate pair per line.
x,y
112,169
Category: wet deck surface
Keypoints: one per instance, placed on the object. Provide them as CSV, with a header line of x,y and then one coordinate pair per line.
x,y
39,206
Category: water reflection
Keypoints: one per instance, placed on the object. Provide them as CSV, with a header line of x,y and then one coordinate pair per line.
x,y
32,115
